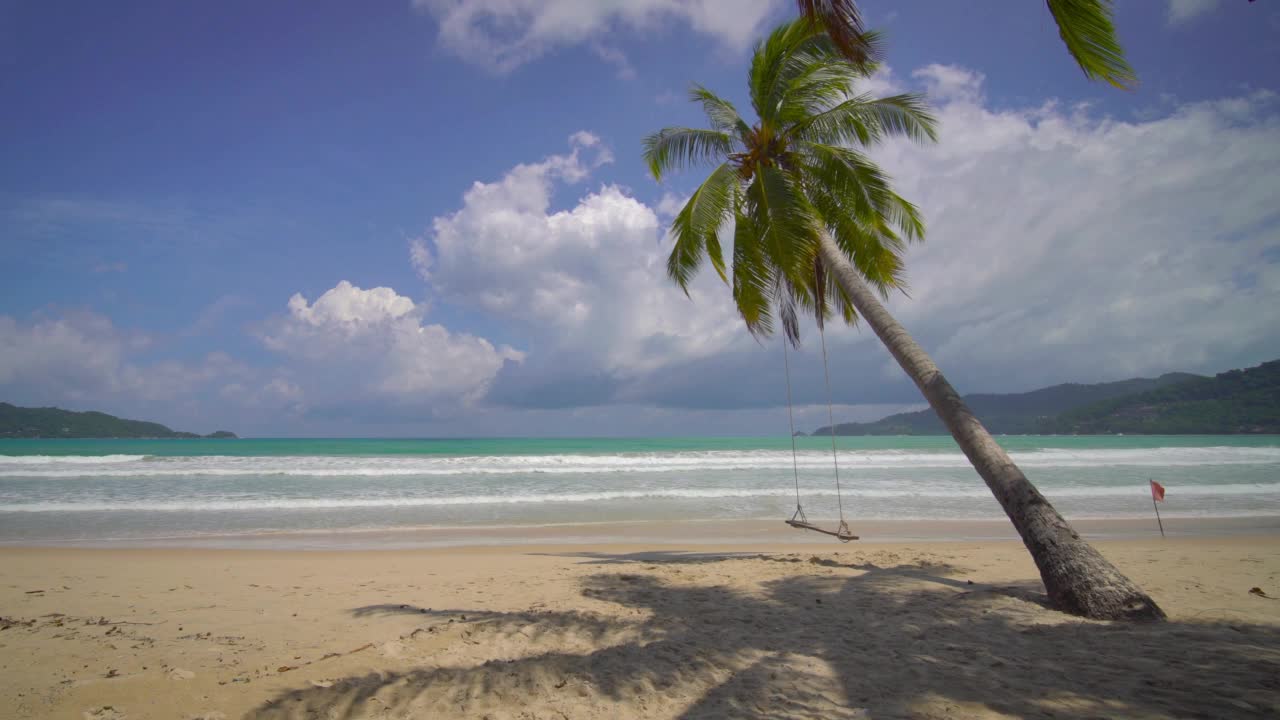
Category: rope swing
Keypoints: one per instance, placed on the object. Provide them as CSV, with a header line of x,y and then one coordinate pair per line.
x,y
798,519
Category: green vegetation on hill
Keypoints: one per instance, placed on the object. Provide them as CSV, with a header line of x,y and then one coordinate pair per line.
x,y
1239,401
20,422
1026,413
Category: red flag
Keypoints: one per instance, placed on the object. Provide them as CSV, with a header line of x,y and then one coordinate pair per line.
x,y
1157,491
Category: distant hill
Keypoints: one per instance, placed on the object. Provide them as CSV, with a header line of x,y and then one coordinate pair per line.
x,y
20,422
1026,413
1238,401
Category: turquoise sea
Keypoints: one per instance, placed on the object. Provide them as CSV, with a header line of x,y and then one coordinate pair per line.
x,y
111,491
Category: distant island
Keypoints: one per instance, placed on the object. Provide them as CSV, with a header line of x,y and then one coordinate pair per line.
x,y
1234,402
21,422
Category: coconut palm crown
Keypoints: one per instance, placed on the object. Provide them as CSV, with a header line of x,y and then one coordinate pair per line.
x,y
816,225
797,172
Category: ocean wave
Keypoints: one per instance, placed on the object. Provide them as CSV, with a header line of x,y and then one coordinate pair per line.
x,y
68,459
917,496
118,466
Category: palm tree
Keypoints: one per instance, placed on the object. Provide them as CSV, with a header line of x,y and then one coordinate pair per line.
x,y
1084,25
817,226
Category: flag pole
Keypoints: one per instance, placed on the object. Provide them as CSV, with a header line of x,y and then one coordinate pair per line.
x,y
1156,507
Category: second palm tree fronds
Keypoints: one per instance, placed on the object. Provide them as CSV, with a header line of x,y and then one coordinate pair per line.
x,y
1085,27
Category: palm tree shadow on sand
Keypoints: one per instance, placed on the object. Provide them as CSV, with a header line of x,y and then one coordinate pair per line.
x,y
821,646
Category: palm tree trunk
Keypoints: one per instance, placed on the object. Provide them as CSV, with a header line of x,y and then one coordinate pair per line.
x,y
1076,576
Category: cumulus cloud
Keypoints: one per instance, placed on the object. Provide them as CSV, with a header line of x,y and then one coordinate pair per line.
x,y
276,396
374,345
586,284
670,205
944,84
1183,10
615,57
82,357
502,35
77,354
1066,245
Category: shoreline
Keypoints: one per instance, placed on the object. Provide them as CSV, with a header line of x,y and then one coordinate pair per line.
x,y
664,533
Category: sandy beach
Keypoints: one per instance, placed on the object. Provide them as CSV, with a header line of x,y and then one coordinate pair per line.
x,y
925,629
517,360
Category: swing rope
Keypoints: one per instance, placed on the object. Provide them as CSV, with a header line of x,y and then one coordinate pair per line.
x,y
795,465
798,519
843,529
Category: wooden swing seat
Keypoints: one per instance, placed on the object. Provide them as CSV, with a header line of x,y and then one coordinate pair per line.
x,y
843,537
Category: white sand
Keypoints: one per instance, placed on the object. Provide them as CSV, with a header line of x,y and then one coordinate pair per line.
x,y
873,631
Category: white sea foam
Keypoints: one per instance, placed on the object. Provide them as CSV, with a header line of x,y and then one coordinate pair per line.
x,y
68,459
923,495
120,466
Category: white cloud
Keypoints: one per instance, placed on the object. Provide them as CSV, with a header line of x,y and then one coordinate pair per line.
x,y
666,97
281,388
615,57
170,380
1183,10
943,83
1063,246
670,205
82,357
216,313
353,342
1068,246
587,283
76,354
278,395
501,35
584,139
347,310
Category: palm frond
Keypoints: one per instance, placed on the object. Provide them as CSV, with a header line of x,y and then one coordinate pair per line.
x,y
816,293
697,227
1090,36
752,277
874,249
905,216
785,298
819,85
814,76
676,148
786,219
851,178
832,298
775,60
864,120
861,190
843,23
721,113
837,298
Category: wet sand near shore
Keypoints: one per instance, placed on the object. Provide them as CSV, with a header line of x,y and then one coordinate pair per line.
x,y
768,533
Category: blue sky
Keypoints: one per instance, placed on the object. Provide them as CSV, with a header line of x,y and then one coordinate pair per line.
x,y
430,218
